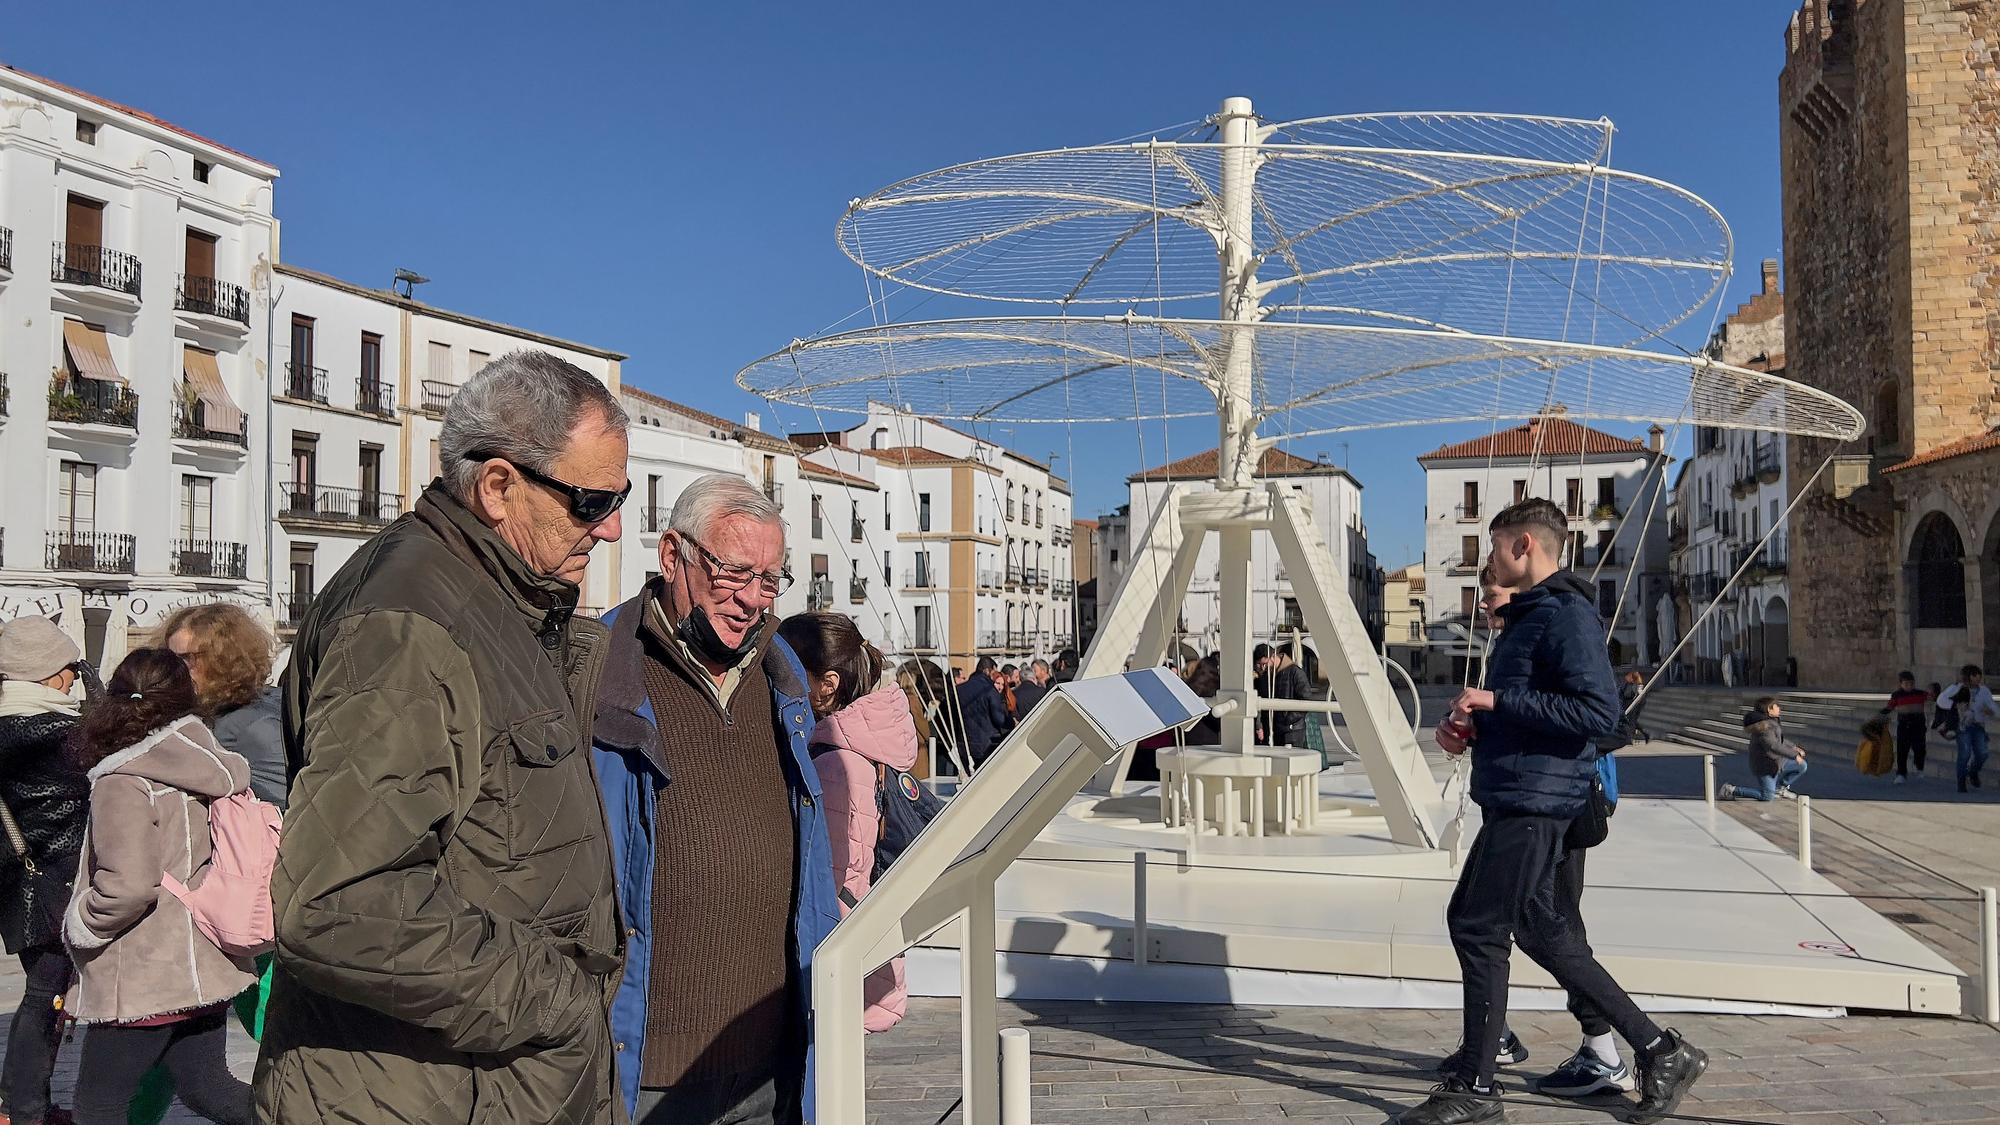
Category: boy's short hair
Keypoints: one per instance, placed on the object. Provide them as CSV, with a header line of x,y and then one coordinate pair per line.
x,y
1765,702
1539,517
1970,670
1910,676
1260,652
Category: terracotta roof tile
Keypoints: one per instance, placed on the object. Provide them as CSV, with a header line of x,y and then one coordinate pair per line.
x,y
834,476
1274,463
141,114
1974,444
1559,437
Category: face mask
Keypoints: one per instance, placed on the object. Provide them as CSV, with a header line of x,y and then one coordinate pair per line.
x,y
699,634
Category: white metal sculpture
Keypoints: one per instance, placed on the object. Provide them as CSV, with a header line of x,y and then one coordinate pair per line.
x,y
1369,271
1331,274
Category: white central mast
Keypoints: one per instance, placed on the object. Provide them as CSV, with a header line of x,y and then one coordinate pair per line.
x,y
1236,452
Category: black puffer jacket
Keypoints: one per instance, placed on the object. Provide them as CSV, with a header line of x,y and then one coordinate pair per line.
x,y
50,798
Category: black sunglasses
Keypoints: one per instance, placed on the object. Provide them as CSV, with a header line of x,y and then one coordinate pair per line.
x,y
591,505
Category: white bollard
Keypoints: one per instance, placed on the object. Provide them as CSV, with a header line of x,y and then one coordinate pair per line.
x,y
1139,939
1708,780
1989,953
1805,832
1015,1097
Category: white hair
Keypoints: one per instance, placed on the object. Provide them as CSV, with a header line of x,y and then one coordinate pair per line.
x,y
717,496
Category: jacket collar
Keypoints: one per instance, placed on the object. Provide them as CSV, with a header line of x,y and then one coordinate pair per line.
x,y
546,602
1554,586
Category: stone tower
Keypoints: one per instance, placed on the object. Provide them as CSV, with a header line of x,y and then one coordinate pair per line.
x,y
1890,135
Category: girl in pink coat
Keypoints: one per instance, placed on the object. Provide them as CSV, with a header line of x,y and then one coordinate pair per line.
x,y
865,738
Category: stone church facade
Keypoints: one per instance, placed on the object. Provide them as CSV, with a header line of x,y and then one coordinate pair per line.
x,y
1890,135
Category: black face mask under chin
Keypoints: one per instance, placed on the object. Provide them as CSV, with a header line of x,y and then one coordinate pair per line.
x,y
699,634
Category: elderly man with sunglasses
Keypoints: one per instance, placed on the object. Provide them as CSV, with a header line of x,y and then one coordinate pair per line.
x,y
448,929
724,871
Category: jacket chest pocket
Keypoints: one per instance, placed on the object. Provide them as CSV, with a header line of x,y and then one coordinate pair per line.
x,y
546,798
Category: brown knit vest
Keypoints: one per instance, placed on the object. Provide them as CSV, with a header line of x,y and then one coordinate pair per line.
x,y
724,863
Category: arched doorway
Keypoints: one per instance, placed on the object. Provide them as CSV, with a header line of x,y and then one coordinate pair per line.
x,y
1776,638
1936,574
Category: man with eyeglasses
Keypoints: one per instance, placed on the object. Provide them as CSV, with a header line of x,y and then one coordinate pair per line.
x,y
447,916
725,875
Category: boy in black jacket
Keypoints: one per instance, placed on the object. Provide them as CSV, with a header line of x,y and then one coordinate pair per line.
x,y
1550,695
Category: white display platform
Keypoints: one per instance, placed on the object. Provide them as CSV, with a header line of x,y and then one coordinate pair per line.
x,y
1685,906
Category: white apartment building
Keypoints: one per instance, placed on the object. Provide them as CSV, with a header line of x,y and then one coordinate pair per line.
x,y
1332,494
1734,489
362,379
975,538
135,261
1606,485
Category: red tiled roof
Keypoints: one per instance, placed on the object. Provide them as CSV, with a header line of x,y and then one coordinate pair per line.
x,y
1092,524
1974,444
1274,463
141,114
835,476
1559,437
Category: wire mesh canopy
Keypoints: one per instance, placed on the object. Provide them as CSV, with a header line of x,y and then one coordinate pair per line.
x,y
1483,223
1327,378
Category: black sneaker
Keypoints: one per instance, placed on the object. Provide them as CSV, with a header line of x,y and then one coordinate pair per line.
x,y
1512,1053
1453,1102
1665,1077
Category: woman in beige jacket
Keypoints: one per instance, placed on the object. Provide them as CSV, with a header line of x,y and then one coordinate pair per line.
x,y
150,986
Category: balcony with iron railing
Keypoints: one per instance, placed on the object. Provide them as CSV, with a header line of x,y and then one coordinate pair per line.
x,y
191,424
375,397
437,395
1416,631
1063,587
1010,509
93,551
210,558
356,507
1765,464
857,589
95,267
774,492
653,521
304,384
6,250
292,609
1705,587
854,530
1467,513
93,402
3,394
919,579
819,593
1017,640
1457,564
208,296
1038,517
919,640
992,638
1013,574
989,579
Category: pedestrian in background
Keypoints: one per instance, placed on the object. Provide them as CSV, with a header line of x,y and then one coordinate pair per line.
x,y
1909,704
1774,762
1034,685
48,797
1971,703
229,654
863,745
150,987
983,711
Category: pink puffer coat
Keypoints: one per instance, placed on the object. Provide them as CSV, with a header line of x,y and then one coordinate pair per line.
x,y
876,728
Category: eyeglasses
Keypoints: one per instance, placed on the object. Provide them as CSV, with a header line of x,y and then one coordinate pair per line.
x,y
735,576
591,505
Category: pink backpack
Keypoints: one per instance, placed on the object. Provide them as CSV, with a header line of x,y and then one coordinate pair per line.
x,y
231,898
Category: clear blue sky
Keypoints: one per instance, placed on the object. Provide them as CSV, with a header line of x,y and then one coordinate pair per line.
x,y
664,179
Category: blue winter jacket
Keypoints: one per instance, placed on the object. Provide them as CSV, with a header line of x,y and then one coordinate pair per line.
x,y
631,768
1554,695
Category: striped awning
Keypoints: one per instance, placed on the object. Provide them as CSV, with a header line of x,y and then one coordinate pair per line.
x,y
90,352
220,412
